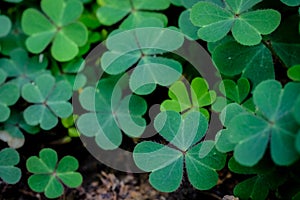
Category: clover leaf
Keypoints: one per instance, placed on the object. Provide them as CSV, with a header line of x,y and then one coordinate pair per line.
x,y
59,26
135,12
22,68
294,73
291,2
5,25
9,95
166,163
14,39
50,99
265,177
14,1
285,41
70,72
297,110
223,142
69,123
191,97
186,26
246,27
273,123
13,130
8,172
110,113
48,175
255,62
140,47
236,92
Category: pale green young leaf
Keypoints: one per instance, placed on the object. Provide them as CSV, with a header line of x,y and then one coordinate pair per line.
x,y
188,97
294,73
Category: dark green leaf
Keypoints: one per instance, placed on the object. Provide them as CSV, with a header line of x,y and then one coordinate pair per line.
x,y
255,63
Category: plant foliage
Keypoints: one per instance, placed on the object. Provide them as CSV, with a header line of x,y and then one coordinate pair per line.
x,y
48,175
8,172
59,26
152,62
166,164
246,26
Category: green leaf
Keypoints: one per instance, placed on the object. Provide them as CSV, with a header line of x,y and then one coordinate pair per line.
x,y
48,175
66,33
50,101
144,19
203,14
186,26
126,48
14,1
54,188
160,71
166,163
297,143
291,2
8,172
230,111
38,182
189,97
23,69
294,73
256,187
176,2
246,28
13,130
109,114
182,132
5,25
236,92
201,170
223,143
3,76
285,41
62,12
240,6
65,171
160,160
112,12
45,164
297,110
274,123
9,95
255,63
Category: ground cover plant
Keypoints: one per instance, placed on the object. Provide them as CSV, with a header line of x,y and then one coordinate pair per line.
x,y
197,91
